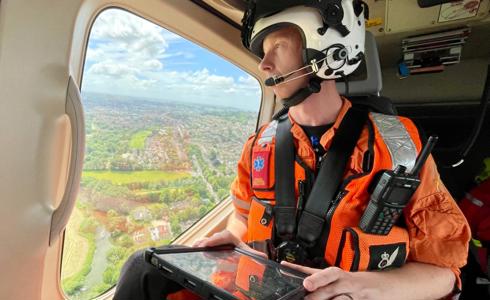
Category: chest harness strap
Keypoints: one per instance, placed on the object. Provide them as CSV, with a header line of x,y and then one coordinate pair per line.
x,y
311,221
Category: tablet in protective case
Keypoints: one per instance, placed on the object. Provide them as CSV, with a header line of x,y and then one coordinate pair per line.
x,y
225,272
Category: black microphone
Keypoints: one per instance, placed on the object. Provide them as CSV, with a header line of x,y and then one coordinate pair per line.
x,y
272,81
275,80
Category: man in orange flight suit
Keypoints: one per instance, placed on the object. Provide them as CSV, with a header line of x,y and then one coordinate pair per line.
x,y
290,39
303,47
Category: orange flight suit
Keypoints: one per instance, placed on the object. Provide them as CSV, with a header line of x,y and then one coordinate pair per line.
x,y
436,231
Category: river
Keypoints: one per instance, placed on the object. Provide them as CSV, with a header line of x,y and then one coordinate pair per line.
x,y
99,263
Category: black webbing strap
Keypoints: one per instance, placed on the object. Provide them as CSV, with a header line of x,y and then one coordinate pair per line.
x,y
285,209
312,221
314,86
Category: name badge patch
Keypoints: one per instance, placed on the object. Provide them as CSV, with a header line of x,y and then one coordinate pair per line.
x,y
260,168
387,256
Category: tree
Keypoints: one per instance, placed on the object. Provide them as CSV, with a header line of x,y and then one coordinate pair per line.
x,y
175,225
88,225
110,275
114,221
116,255
125,241
158,210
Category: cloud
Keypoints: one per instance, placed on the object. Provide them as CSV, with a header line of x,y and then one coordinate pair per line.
x,y
152,64
94,54
122,28
130,40
197,87
179,54
170,36
112,69
128,55
248,82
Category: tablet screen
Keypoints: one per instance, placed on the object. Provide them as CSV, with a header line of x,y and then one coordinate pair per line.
x,y
242,276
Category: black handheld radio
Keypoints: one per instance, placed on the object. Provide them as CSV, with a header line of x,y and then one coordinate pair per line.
x,y
392,193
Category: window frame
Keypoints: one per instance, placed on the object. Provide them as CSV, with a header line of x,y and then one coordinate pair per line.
x,y
217,217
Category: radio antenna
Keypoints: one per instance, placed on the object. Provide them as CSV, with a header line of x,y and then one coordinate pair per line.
x,y
424,154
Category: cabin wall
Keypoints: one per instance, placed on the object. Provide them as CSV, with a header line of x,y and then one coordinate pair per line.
x,y
448,86
35,39
42,43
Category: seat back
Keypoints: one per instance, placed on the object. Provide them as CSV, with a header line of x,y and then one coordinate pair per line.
x,y
366,82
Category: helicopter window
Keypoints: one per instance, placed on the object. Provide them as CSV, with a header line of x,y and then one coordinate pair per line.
x,y
165,123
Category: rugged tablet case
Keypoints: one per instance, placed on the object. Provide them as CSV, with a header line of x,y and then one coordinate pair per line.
x,y
197,285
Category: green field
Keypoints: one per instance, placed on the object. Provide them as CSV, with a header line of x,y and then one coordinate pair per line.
x,y
138,140
78,253
127,177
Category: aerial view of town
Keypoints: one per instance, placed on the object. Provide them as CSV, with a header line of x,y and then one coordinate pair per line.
x,y
151,170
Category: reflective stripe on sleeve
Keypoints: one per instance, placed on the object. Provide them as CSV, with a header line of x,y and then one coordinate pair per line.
x,y
240,203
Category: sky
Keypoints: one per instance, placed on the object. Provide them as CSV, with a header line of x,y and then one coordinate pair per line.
x,y
130,56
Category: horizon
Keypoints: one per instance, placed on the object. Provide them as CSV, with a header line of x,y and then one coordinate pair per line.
x,y
87,94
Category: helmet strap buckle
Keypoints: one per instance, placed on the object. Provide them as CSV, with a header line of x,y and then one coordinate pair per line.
x,y
314,66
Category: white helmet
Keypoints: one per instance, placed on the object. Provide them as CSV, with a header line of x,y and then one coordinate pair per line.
x,y
333,31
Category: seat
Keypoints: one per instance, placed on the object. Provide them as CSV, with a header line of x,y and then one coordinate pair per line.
x,y
366,82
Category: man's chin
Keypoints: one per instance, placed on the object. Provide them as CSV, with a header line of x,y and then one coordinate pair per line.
x,y
284,92
280,92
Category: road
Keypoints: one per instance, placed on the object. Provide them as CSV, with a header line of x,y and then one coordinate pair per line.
x,y
198,169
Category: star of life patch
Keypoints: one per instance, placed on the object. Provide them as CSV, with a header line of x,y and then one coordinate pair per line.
x,y
260,168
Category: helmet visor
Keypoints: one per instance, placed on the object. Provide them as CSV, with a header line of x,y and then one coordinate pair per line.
x,y
258,9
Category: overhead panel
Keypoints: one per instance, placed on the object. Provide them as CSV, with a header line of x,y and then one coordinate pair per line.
x,y
405,16
375,24
233,9
432,52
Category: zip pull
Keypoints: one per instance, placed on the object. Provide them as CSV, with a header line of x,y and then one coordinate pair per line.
x,y
321,159
337,199
301,196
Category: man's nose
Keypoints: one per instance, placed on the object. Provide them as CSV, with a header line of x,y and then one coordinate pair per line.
x,y
266,64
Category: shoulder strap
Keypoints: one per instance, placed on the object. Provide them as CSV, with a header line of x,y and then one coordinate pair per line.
x,y
285,209
312,221
326,185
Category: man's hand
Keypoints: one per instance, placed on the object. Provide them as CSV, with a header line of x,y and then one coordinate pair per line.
x,y
226,237
219,238
331,283
412,281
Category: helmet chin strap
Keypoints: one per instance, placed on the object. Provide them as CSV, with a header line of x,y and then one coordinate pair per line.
x,y
303,93
298,97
